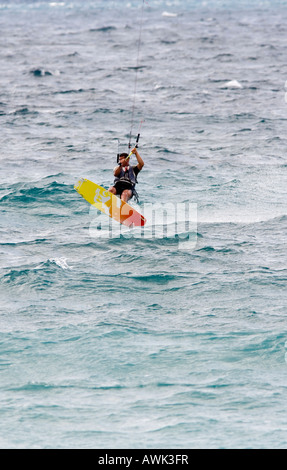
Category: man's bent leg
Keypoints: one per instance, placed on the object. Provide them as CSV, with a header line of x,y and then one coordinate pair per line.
x,y
126,195
113,190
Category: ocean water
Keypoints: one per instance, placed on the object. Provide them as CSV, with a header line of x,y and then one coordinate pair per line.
x,y
143,342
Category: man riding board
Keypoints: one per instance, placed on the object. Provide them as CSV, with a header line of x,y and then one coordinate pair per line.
x,y
126,176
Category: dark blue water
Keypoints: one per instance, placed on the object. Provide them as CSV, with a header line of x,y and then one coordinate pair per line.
x,y
142,342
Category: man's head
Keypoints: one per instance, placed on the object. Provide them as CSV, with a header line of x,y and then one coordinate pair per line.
x,y
123,159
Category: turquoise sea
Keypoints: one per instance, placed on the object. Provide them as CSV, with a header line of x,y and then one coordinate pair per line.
x,y
129,342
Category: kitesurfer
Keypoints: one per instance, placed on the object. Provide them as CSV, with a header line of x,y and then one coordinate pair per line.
x,y
126,176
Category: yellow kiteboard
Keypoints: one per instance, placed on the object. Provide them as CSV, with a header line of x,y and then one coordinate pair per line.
x,y
109,204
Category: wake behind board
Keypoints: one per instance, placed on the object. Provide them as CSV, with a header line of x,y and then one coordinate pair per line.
x,y
109,204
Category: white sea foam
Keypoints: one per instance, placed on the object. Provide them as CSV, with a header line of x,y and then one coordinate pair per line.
x,y
61,262
232,84
169,14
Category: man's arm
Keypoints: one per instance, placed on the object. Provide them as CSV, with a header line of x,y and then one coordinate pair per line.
x,y
117,171
139,159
